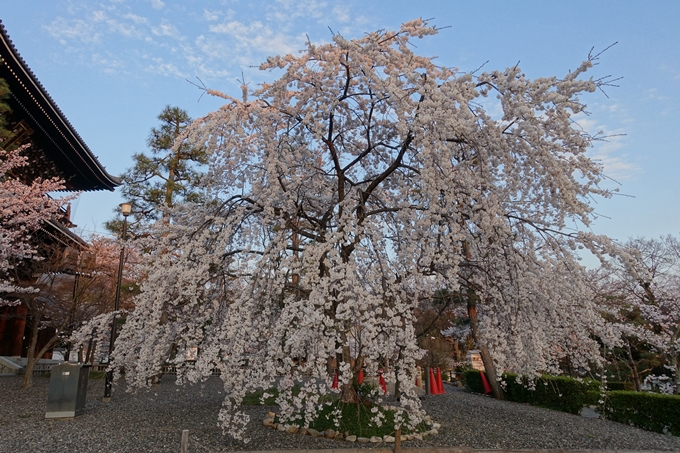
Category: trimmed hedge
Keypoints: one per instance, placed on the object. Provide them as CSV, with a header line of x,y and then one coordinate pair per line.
x,y
651,411
554,392
620,386
473,381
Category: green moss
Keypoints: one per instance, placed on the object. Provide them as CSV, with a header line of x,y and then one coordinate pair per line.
x,y
356,419
255,398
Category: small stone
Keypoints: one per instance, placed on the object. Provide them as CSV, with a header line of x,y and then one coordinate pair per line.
x,y
427,418
407,437
375,440
330,434
418,436
275,426
312,432
269,422
293,429
388,438
271,415
436,425
281,428
434,431
339,436
351,438
303,431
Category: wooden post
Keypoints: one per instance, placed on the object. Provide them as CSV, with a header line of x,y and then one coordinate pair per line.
x,y
397,441
184,444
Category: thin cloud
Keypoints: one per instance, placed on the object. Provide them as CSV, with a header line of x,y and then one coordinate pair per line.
x,y
136,19
157,43
109,64
211,16
124,27
284,12
259,38
341,14
165,29
165,68
607,149
73,30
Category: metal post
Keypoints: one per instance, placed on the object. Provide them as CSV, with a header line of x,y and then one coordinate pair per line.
x,y
109,374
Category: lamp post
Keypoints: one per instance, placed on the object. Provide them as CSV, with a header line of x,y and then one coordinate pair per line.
x,y
126,209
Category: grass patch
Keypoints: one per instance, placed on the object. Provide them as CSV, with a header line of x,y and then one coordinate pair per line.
x,y
356,419
255,398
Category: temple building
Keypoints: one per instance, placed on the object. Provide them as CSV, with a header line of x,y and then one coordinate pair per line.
x,y
56,150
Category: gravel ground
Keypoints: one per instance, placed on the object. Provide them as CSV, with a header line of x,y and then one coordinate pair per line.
x,y
152,421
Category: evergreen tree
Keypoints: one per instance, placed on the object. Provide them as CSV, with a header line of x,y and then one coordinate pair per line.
x,y
164,177
4,110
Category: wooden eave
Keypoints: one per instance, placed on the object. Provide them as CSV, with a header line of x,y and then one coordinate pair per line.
x,y
57,138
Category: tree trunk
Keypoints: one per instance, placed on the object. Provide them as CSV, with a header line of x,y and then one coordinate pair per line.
x,y
633,367
348,393
90,345
677,374
489,366
30,355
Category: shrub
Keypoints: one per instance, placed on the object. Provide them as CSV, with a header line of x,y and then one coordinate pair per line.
x,y
473,381
651,411
554,392
620,386
356,419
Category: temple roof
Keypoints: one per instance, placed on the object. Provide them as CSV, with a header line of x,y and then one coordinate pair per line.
x,y
56,146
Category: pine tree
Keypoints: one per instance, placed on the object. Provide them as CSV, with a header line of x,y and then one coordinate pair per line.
x,y
4,109
163,177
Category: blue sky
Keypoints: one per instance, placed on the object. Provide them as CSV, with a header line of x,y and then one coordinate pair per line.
x,y
112,65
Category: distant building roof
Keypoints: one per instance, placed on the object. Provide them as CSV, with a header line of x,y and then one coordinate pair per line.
x,y
57,149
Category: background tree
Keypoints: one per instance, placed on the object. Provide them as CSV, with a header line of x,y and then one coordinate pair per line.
x,y
640,293
164,177
23,207
68,294
358,183
4,110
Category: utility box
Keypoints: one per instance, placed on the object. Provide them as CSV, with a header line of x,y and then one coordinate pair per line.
x,y
68,389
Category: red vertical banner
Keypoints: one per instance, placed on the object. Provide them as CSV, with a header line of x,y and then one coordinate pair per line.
x,y
383,384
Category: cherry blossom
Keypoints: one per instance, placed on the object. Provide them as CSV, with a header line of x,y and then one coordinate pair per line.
x,y
361,181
